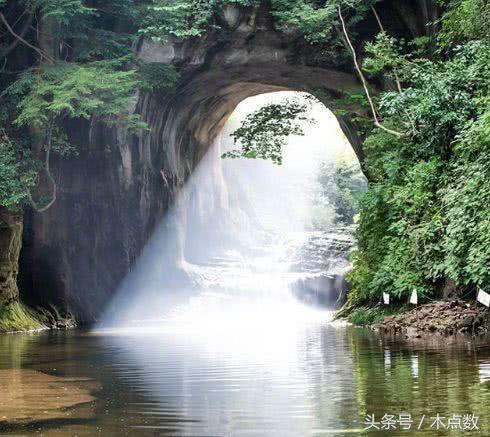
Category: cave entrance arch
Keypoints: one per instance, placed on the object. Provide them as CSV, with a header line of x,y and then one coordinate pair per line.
x,y
201,105
243,229
118,188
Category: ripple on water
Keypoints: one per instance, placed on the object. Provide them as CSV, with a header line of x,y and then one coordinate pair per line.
x,y
304,379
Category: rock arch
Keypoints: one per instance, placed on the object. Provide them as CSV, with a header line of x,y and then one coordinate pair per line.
x,y
117,189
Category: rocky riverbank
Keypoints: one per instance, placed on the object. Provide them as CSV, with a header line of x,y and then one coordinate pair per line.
x,y
442,318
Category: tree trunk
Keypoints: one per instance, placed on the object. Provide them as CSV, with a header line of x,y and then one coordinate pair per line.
x,y
10,244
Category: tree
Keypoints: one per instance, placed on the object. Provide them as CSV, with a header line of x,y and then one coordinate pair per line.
x,y
341,184
96,77
424,222
60,60
68,90
17,172
265,131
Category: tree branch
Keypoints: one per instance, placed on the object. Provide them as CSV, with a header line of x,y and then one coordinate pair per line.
x,y
22,40
50,177
380,24
377,123
22,33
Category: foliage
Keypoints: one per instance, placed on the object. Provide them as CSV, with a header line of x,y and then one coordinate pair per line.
x,y
65,12
467,202
17,172
315,22
386,54
87,74
69,90
103,30
465,20
425,220
182,19
337,202
98,44
318,21
158,77
264,132
363,316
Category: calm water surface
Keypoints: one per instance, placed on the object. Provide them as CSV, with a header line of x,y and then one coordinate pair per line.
x,y
289,380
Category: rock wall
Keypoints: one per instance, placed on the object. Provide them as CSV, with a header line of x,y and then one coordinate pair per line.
x,y
112,195
10,243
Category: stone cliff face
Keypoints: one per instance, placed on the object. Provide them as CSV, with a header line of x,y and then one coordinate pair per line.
x,y
118,188
10,243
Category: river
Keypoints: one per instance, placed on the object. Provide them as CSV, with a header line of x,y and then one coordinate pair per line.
x,y
241,355
296,378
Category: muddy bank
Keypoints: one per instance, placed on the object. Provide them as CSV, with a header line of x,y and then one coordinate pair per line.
x,y
441,318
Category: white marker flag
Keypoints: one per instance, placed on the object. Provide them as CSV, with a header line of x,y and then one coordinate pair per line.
x,y
483,297
413,298
386,298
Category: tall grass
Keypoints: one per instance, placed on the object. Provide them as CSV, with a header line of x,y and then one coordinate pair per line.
x,y
366,316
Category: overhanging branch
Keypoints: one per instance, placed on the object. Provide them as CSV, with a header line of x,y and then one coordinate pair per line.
x,y
377,122
27,24
21,39
47,168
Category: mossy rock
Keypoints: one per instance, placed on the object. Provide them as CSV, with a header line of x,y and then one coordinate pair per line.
x,y
16,317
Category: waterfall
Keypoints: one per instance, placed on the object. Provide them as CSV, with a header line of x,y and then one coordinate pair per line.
x,y
239,238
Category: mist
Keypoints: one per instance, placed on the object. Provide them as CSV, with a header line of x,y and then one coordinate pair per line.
x,y
233,236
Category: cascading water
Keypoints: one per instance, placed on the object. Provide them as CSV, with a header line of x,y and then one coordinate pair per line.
x,y
239,241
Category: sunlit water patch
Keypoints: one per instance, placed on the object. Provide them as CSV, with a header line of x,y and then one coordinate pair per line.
x,y
288,378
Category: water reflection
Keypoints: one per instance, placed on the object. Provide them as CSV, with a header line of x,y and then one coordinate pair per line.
x,y
233,386
484,370
305,379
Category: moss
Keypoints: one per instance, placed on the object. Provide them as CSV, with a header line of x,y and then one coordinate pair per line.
x,y
366,316
16,317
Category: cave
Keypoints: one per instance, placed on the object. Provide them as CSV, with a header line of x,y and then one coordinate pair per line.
x,y
113,194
